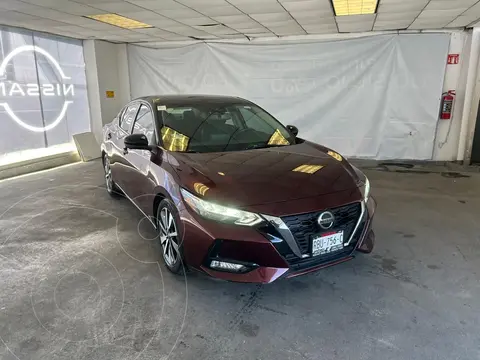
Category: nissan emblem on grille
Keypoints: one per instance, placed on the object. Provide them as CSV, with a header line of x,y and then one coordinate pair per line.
x,y
326,220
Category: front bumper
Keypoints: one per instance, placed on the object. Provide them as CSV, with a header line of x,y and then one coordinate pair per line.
x,y
265,250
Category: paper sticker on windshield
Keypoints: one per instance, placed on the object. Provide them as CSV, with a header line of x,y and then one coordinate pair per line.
x,y
278,139
161,108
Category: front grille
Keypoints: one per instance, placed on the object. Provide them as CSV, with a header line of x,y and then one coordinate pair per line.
x,y
297,264
304,226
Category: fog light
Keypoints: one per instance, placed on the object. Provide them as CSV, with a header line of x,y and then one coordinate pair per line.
x,y
223,265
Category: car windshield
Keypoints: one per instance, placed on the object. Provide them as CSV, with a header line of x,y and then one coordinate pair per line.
x,y
215,128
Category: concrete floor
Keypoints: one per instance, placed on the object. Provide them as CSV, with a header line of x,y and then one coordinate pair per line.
x,y
77,281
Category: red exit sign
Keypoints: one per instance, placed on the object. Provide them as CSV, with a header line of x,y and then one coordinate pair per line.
x,y
453,59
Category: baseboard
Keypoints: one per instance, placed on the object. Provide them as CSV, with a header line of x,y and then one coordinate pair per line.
x,y
38,164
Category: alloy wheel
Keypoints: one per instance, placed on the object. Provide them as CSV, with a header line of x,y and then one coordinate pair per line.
x,y
168,237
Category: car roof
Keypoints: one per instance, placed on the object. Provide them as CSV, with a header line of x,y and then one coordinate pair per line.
x,y
192,99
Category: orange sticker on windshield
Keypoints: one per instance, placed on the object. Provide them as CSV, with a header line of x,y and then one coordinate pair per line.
x,y
173,140
278,139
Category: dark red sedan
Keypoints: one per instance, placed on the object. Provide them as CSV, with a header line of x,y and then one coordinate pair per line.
x,y
234,193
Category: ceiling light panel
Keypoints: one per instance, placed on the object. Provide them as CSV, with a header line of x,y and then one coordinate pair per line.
x,y
354,7
120,21
355,19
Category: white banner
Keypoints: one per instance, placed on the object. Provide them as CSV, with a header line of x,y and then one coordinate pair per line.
x,y
374,97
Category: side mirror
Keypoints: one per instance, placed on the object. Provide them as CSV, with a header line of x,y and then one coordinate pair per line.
x,y
137,142
293,130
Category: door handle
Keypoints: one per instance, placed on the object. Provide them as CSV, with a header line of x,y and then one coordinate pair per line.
x,y
109,136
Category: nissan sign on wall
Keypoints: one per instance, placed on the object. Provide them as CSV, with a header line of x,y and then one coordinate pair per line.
x,y
11,89
43,93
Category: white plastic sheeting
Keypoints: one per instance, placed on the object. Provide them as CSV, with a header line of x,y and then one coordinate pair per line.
x,y
375,97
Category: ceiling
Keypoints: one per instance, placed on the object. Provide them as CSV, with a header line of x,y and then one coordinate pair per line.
x,y
177,20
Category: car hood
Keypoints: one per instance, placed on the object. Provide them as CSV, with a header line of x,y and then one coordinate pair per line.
x,y
262,176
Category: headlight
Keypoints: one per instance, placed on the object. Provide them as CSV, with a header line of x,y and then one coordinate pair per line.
x,y
220,213
366,189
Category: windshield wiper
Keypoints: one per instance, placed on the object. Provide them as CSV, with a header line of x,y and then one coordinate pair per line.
x,y
262,146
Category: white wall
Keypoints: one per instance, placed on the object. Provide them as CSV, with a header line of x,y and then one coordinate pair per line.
x,y
106,66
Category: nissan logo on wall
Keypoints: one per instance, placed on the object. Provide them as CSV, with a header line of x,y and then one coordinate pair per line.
x,y
326,220
10,89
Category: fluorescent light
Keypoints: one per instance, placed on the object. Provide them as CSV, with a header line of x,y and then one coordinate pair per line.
x,y
354,7
120,21
308,169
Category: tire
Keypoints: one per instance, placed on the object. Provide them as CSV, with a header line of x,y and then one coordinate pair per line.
x,y
170,236
112,188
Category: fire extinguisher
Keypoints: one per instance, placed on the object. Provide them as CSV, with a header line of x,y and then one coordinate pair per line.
x,y
448,100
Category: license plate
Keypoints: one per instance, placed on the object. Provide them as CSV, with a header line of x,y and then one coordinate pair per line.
x,y
327,243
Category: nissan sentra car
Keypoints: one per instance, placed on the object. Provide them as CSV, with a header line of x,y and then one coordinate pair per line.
x,y
232,192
